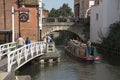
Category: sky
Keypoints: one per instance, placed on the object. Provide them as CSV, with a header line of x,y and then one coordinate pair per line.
x,y
49,4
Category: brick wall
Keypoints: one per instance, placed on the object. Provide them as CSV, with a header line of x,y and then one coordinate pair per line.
x,y
6,19
27,29
30,28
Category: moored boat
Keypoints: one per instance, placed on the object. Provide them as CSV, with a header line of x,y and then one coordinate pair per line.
x,y
81,51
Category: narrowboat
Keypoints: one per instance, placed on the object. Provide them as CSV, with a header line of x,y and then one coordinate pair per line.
x,y
81,51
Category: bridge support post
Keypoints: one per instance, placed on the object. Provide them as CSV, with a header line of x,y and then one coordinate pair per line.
x,y
42,61
50,60
58,60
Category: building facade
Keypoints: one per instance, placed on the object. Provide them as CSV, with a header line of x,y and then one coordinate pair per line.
x,y
102,15
25,20
81,7
6,20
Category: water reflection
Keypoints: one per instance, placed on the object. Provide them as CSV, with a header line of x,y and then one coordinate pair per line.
x,y
70,69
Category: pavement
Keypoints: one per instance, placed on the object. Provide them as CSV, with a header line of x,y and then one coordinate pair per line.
x,y
3,75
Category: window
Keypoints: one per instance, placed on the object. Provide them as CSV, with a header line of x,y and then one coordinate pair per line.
x,y
97,16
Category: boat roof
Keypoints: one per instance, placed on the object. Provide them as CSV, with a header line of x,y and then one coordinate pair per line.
x,y
74,43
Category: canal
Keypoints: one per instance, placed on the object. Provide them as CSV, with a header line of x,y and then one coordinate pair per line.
x,y
70,69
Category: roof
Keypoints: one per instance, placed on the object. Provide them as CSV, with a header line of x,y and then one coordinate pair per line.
x,y
29,2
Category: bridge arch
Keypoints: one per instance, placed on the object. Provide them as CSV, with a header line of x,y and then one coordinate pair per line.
x,y
71,27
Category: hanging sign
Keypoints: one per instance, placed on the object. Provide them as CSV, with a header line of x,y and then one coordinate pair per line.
x,y
23,14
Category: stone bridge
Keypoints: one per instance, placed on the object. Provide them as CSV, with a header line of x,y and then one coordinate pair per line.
x,y
75,27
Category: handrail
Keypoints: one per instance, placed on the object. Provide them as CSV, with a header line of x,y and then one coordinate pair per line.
x,y
60,19
6,48
20,56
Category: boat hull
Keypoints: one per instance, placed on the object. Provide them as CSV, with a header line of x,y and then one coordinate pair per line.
x,y
88,59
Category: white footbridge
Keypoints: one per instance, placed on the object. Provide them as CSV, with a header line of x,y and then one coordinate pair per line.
x,y
13,58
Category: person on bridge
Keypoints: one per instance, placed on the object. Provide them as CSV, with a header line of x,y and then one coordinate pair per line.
x,y
49,39
27,41
20,41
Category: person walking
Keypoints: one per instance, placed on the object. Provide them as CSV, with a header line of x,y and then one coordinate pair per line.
x,y
20,41
27,41
49,39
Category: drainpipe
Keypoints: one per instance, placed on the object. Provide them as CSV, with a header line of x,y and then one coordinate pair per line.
x,y
4,5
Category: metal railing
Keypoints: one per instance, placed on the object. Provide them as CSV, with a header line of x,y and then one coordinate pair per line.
x,y
6,48
78,20
20,56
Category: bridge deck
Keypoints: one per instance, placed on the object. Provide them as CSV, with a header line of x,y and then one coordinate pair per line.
x,y
3,64
11,61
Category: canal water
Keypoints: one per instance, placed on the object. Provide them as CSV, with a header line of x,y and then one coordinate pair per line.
x,y
70,69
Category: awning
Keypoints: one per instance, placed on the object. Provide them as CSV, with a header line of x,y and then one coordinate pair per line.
x,y
5,31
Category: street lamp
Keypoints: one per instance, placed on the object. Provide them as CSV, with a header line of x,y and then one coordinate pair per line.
x,y
40,18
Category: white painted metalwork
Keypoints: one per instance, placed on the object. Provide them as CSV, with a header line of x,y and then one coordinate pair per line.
x,y
6,48
13,36
19,57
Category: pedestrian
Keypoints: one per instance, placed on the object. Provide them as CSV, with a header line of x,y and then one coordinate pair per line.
x,y
20,41
27,41
49,39
45,39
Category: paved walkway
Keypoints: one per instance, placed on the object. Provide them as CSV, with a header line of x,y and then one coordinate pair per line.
x,y
3,69
3,65
3,75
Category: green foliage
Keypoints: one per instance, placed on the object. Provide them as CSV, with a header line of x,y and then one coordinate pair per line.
x,y
87,24
64,11
113,38
54,13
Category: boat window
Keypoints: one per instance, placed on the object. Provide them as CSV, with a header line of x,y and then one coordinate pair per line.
x,y
77,51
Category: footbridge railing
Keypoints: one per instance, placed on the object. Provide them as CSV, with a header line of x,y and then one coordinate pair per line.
x,y
6,48
20,56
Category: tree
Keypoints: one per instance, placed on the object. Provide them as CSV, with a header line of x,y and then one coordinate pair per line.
x,y
53,13
113,38
64,11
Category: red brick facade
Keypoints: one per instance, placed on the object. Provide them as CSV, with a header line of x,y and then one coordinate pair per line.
x,y
30,28
27,29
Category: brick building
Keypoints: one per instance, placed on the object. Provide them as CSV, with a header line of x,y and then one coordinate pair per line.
x,y
5,20
27,28
81,7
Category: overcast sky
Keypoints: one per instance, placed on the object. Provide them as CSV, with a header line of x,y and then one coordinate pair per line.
x,y
49,4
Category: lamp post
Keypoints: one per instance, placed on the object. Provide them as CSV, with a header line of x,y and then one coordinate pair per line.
x,y
40,18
